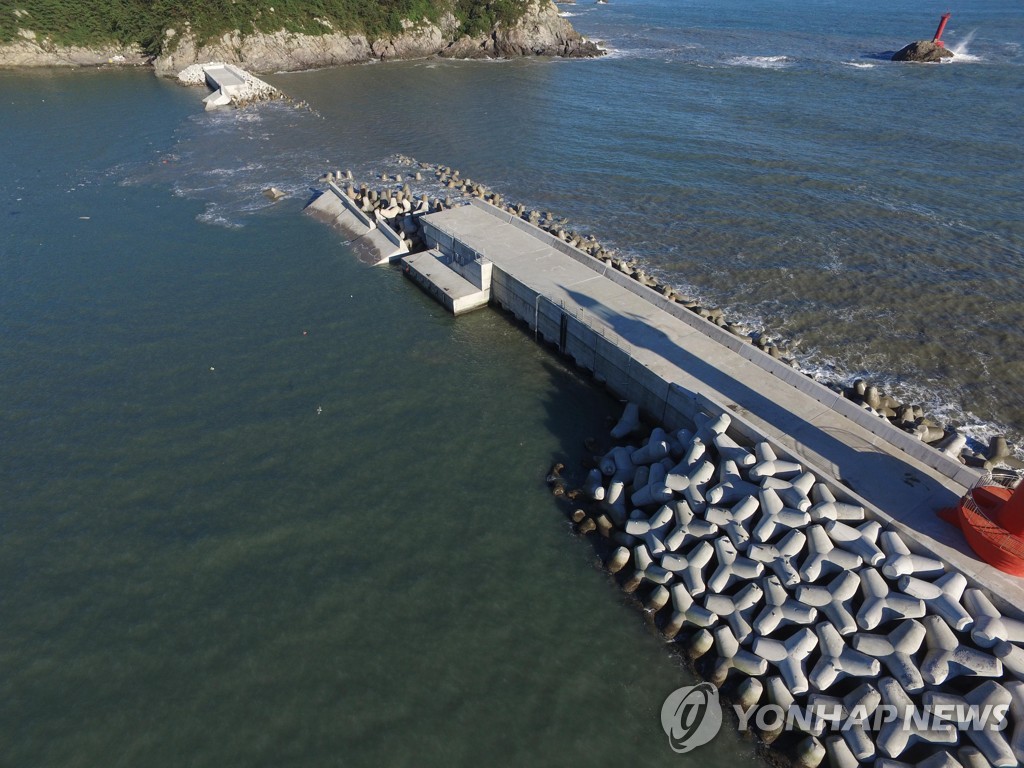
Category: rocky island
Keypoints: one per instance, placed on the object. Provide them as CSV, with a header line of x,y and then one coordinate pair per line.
x,y
286,36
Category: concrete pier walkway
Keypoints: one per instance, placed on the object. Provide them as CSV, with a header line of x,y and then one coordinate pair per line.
x,y
672,362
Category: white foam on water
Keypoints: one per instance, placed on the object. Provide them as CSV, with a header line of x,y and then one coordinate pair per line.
x,y
859,64
960,53
759,62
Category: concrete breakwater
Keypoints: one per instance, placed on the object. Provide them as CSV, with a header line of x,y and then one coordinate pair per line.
x,y
393,200
231,85
786,592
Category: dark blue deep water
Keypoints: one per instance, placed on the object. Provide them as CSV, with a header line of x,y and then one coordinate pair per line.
x,y
263,505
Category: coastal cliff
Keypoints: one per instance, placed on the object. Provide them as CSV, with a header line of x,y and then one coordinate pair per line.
x,y
538,31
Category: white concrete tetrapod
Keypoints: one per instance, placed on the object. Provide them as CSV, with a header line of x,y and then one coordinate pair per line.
x,y
616,464
641,476
694,495
615,502
628,423
749,692
655,449
859,540
732,567
647,568
689,566
657,599
763,452
896,652
824,558
990,626
709,426
1012,657
776,517
731,656
735,522
900,562
836,510
838,660
679,442
795,492
781,558
941,596
882,603
834,600
729,450
618,560
652,530
701,642
784,470
839,753
593,486
947,658
778,693
685,610
1016,689
788,657
780,609
809,753
848,717
982,713
737,610
909,726
655,491
970,757
688,527
730,486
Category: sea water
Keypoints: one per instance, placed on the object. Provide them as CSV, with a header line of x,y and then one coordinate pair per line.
x,y
263,505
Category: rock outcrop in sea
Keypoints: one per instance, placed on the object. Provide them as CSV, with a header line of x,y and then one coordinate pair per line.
x,y
922,50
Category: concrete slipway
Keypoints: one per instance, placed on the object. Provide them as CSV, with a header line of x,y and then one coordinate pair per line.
x,y
674,363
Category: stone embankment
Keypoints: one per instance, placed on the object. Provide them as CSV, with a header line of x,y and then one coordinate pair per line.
x,y
923,51
782,591
394,201
254,90
31,51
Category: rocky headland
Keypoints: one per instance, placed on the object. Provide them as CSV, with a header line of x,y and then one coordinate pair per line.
x,y
539,31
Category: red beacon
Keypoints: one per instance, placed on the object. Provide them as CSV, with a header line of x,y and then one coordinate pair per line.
x,y
991,516
938,32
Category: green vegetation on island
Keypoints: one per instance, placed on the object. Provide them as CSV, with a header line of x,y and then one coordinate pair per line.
x,y
144,22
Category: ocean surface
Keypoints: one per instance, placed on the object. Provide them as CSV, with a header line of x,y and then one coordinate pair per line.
x,y
261,504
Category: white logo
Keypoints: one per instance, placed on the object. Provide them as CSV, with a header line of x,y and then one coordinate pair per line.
x,y
691,716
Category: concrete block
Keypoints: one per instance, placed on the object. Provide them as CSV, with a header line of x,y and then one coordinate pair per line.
x,y
735,522
731,566
1016,689
900,562
836,510
942,597
652,530
882,603
835,600
689,568
794,493
647,568
784,470
990,626
655,449
859,540
776,518
896,652
593,486
782,557
947,658
838,660
907,729
824,558
1012,657
685,610
628,423
689,528
730,450
839,753
731,487
981,707
789,657
848,716
780,609
737,610
731,656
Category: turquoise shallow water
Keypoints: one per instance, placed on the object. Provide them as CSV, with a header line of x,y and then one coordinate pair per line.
x,y
200,568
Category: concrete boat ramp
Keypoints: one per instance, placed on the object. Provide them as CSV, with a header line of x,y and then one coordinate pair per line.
x,y
675,364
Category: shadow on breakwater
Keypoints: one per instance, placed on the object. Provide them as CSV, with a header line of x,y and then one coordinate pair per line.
x,y
869,463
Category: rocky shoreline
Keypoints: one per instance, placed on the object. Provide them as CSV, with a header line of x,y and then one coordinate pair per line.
x,y
541,31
